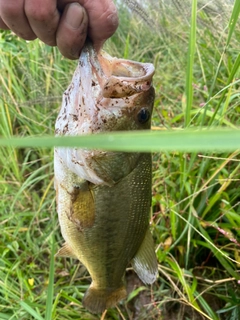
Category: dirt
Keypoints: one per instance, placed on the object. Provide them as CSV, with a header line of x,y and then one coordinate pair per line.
x,y
144,307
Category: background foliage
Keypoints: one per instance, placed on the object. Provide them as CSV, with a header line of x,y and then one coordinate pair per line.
x,y
195,216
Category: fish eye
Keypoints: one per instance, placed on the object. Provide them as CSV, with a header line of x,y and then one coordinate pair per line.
x,y
143,115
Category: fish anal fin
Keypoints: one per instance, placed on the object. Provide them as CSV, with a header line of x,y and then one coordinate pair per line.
x,y
66,251
145,261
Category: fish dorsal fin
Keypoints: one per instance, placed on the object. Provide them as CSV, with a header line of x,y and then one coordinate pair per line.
x,y
145,262
66,251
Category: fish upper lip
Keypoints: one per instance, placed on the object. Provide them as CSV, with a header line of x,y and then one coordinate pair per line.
x,y
132,70
125,70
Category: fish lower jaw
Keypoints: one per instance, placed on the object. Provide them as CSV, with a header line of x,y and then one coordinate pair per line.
x,y
97,300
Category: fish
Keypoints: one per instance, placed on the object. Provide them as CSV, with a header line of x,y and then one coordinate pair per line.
x,y
104,197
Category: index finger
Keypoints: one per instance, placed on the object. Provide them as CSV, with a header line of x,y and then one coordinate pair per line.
x,y
43,17
103,18
13,17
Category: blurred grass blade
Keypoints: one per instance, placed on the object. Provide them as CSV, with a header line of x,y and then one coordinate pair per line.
x,y
49,303
233,20
180,140
231,76
135,292
181,277
190,59
31,311
206,306
4,316
218,254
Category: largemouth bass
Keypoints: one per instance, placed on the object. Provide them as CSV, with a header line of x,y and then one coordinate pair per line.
x,y
103,197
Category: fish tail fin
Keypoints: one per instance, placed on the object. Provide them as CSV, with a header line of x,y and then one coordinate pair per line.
x,y
98,300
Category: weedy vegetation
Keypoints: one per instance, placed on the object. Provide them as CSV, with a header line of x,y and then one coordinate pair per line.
x,y
195,218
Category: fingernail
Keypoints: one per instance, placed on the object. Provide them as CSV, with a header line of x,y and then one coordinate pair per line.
x,y
75,15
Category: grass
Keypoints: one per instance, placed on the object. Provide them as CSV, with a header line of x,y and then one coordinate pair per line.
x,y
196,203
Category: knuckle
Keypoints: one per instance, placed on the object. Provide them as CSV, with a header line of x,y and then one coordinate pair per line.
x,y
10,10
41,14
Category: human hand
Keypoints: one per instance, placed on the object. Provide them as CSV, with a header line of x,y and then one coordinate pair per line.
x,y
62,23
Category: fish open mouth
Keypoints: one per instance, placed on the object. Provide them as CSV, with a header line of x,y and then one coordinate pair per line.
x,y
124,77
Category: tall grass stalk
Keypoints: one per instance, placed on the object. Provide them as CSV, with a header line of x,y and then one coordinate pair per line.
x,y
50,294
190,64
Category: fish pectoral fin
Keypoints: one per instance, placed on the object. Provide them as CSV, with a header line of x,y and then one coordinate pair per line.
x,y
145,261
66,251
82,207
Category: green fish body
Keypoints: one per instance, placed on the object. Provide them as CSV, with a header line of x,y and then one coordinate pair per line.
x,y
104,198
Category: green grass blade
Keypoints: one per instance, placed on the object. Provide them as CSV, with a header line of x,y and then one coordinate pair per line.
x,y
232,74
50,293
182,140
190,59
181,277
4,316
31,311
219,254
233,20
206,306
